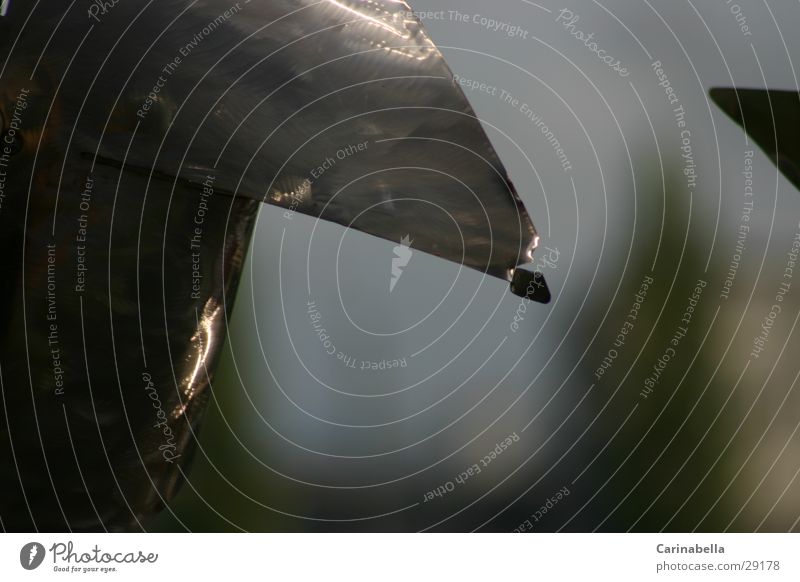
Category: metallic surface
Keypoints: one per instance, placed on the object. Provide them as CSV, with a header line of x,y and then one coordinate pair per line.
x,y
137,143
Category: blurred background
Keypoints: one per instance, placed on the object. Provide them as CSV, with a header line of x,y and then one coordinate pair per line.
x,y
637,400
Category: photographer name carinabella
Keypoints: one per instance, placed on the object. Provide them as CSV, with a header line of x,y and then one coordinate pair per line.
x,y
695,549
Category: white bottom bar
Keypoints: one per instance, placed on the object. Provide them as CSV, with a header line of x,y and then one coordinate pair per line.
x,y
401,557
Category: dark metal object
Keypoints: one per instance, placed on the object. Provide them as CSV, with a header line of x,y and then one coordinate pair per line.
x,y
138,142
772,119
531,285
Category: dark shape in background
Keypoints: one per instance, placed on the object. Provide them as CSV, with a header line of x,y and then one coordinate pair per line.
x,y
772,119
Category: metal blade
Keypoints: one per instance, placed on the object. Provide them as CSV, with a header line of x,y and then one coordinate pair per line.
x,y
342,110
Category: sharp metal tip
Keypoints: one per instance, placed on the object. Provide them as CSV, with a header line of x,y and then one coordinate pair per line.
x,y
530,285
